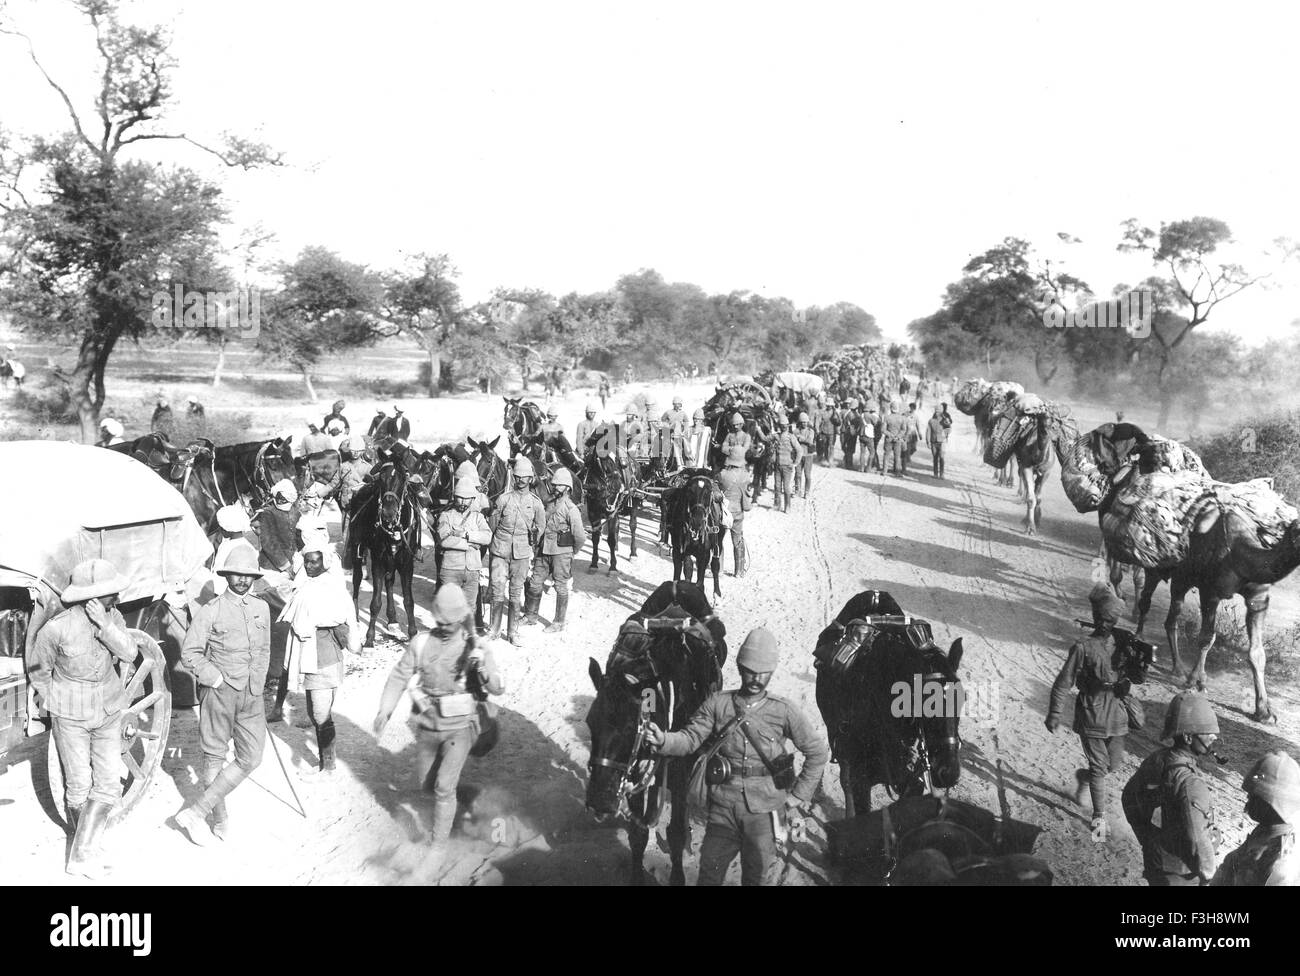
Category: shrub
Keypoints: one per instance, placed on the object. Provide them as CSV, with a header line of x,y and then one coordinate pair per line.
x,y
1258,447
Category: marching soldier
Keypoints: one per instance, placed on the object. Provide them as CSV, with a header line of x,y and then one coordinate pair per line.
x,y
867,439
808,444
74,678
517,523
562,536
745,809
936,438
228,647
735,486
1182,849
675,422
453,670
911,433
850,431
828,427
1100,718
1269,856
462,531
586,428
892,445
786,453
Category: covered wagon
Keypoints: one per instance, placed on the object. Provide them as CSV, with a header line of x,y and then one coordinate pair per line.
x,y
61,504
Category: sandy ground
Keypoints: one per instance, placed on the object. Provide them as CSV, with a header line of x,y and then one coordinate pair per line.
x,y
951,551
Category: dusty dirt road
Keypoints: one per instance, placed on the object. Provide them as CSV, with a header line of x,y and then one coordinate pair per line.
x,y
950,551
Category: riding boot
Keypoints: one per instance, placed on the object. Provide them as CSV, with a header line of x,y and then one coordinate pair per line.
x,y
325,745
532,604
513,612
498,610
193,818
74,815
86,859
281,693
220,819
561,608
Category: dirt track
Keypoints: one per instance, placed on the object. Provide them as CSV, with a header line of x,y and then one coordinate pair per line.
x,y
952,552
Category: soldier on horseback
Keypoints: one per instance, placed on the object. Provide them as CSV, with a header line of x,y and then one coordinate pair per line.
x,y
754,781
586,428
562,536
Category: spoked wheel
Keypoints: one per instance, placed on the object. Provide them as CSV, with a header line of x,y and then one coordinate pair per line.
x,y
145,723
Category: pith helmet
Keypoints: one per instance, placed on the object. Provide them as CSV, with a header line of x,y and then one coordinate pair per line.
x,y
562,479
241,559
94,578
677,401
1190,713
467,472
803,418
698,415
1275,779
523,468
466,488
449,606
552,411
737,420
758,652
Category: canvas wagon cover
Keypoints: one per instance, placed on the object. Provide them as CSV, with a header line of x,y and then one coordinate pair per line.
x,y
808,384
63,503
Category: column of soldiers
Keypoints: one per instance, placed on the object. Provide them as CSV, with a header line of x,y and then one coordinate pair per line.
x,y
1167,802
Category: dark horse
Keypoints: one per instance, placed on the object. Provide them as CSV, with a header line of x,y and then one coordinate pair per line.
x,y
666,661
613,486
867,660
253,467
191,470
522,422
493,473
693,510
385,520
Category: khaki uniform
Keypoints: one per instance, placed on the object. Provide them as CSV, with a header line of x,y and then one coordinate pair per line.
x,y
585,429
73,676
461,536
734,483
742,811
1183,848
1100,719
556,559
892,445
786,452
518,515
676,422
443,741
1269,857
803,471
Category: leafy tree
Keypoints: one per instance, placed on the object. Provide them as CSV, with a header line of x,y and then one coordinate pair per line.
x,y
91,229
325,304
424,302
1194,279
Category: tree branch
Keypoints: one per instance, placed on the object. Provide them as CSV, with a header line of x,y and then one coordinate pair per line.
x,y
72,112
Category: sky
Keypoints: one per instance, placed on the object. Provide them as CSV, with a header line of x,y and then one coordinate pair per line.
x,y
822,152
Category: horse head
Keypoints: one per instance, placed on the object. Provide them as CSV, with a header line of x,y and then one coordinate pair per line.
x,y
939,732
626,697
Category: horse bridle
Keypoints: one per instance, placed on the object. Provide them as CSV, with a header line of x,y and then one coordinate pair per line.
x,y
640,775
